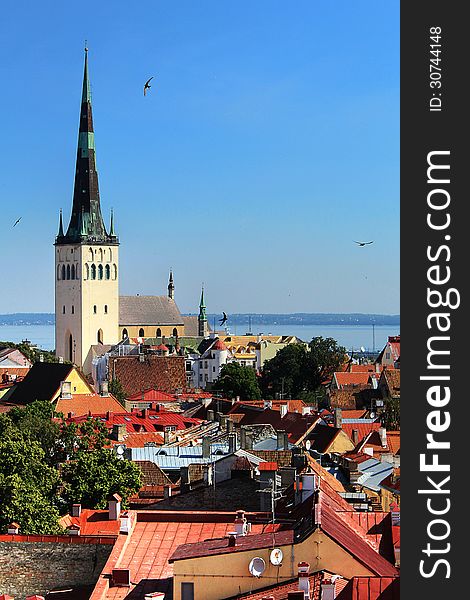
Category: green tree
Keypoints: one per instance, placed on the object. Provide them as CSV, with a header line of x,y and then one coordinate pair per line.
x,y
390,418
93,476
235,380
298,370
33,354
116,389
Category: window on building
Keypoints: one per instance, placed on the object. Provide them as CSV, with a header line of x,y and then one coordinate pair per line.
x,y
58,272
68,271
63,271
63,310
205,364
114,272
141,332
99,336
72,272
94,309
213,369
100,271
187,590
70,349
105,309
159,332
93,271
124,334
107,272
175,332
73,309
87,272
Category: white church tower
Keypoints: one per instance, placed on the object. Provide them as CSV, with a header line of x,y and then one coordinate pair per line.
x,y
86,259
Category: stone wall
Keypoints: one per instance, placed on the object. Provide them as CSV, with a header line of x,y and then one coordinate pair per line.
x,y
35,567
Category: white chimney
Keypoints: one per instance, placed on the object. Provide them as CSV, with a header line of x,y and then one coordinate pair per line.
x,y
328,590
66,390
283,409
304,580
383,436
114,507
267,404
306,410
240,525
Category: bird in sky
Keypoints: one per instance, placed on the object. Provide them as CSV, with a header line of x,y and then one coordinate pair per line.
x,y
224,319
147,85
16,222
363,243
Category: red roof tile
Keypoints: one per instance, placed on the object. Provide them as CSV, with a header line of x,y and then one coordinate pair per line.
x,y
82,404
164,373
371,588
152,395
93,523
136,422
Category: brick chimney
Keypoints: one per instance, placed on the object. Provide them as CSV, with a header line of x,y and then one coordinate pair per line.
x,y
232,539
338,418
114,507
76,510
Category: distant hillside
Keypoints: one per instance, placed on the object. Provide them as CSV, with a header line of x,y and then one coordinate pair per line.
x,y
242,319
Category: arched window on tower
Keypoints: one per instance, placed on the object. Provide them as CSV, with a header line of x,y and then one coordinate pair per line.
x,y
159,332
114,272
99,336
110,254
87,272
58,272
93,271
100,271
124,334
70,349
72,272
63,310
175,332
141,332
100,254
105,309
90,255
94,309
63,271
68,271
73,309
107,272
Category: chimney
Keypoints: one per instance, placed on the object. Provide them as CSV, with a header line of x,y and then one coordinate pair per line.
x,y
232,539
240,525
338,418
232,442
230,425
207,474
41,358
65,390
119,432
383,436
306,410
210,415
167,492
184,482
395,513
166,435
76,510
104,388
328,590
355,436
206,447
304,580
74,530
145,413
282,440
114,507
283,408
246,439
13,529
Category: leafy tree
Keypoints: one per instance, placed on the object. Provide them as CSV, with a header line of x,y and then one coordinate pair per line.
x,y
390,418
236,380
116,389
93,476
299,370
31,352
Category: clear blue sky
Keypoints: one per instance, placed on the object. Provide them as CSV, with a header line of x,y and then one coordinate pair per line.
x,y
268,143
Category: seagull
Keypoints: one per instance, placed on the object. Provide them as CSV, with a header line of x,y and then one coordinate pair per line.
x,y
224,319
363,243
147,85
16,222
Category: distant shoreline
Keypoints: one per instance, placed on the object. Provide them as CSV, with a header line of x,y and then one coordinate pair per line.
x,y
25,319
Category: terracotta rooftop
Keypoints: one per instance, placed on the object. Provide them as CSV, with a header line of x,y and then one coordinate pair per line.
x,y
371,588
164,373
92,523
151,395
82,404
141,421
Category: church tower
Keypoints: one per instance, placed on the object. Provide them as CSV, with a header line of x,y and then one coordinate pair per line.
x,y
203,328
86,258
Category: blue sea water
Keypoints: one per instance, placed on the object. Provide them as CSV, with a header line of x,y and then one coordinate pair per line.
x,y
350,336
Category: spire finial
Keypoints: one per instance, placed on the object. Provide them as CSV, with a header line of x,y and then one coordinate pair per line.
x,y
61,227
86,45
111,225
171,286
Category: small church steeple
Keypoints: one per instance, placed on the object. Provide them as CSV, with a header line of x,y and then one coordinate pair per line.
x,y
202,318
61,226
171,286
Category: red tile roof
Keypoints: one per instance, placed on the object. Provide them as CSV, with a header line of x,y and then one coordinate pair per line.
x,y
138,440
371,588
82,404
268,466
92,523
164,373
152,395
363,429
136,422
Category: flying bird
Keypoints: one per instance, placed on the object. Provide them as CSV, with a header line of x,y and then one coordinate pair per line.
x,y
224,319
147,85
363,243
16,222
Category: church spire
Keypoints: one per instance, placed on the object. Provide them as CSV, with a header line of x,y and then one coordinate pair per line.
x,y
202,318
171,286
86,222
61,226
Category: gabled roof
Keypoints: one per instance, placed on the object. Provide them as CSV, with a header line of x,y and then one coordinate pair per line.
x,y
82,404
148,310
41,383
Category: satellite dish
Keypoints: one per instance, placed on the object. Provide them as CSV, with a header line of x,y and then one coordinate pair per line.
x,y
119,450
257,567
308,445
372,415
276,557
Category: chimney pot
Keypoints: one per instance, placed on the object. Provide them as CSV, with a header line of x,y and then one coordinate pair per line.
x,y
355,436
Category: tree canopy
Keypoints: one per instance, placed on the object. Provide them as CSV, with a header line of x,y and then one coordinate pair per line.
x,y
298,370
46,463
235,380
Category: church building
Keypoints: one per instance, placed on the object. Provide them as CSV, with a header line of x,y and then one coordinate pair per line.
x,y
88,310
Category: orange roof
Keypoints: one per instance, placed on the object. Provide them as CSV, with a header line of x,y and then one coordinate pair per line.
x,y
393,441
345,378
354,414
138,440
92,523
82,404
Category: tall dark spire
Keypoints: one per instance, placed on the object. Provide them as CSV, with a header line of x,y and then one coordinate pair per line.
x,y
86,222
171,286
202,318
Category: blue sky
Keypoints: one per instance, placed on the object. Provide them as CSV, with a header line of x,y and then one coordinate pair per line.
x,y
269,141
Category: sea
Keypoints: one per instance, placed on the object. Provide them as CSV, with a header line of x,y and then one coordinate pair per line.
x,y
352,337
